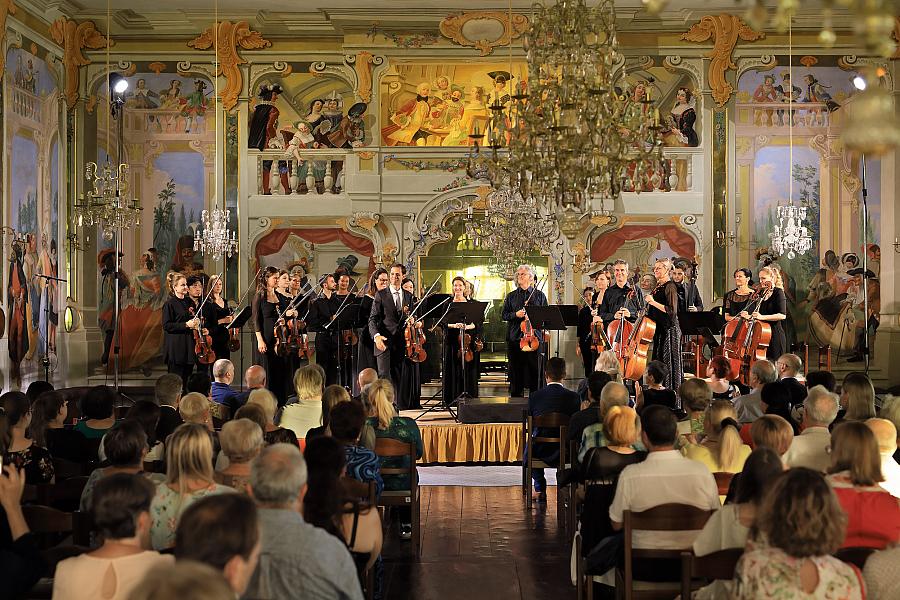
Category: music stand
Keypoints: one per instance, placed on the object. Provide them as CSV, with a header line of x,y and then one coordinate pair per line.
x,y
240,319
545,318
705,324
569,314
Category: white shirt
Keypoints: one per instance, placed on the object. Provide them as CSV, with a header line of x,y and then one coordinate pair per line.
x,y
810,449
665,477
891,472
86,576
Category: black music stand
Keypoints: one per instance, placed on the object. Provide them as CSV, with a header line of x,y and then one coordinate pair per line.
x,y
705,324
240,319
546,318
345,320
569,314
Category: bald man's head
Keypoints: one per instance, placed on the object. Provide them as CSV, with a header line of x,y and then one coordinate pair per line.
x,y
885,433
255,377
367,376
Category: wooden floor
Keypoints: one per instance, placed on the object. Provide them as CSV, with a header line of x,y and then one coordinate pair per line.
x,y
480,542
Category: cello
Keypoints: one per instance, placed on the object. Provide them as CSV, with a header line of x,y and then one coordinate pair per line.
x,y
619,332
529,341
746,340
635,356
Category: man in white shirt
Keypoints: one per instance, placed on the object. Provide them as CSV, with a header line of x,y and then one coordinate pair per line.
x,y
749,406
810,448
886,434
665,477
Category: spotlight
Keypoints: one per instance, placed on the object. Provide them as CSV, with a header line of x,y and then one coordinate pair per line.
x,y
117,83
859,82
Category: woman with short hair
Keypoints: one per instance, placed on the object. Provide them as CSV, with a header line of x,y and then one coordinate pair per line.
x,y
97,408
241,440
306,412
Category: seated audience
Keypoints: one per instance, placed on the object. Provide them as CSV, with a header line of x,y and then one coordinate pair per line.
x,y
125,447
653,392
325,504
36,388
282,436
347,421
267,401
608,362
810,448
221,391
824,378
718,376
48,418
749,406
388,424
776,400
119,508
199,383
21,562
365,378
881,573
873,515
255,413
857,398
222,532
590,406
886,436
297,560
612,394
773,432
168,391
695,397
18,449
185,580
194,408
332,396
789,367
552,398
241,440
97,408
890,410
798,525
721,449
254,379
306,412
189,477
146,413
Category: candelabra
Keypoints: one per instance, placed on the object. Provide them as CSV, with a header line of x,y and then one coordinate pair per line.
x,y
215,238
791,236
724,239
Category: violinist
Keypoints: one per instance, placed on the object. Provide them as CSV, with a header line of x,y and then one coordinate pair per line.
x,y
772,310
268,308
386,325
216,317
365,348
523,366
736,300
410,396
688,294
663,308
343,287
585,348
349,338
322,313
195,291
178,325
455,360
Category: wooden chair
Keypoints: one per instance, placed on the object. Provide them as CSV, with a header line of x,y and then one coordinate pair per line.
x,y
559,421
389,448
219,412
64,495
855,555
723,481
49,525
155,466
572,504
718,565
356,490
665,517
64,469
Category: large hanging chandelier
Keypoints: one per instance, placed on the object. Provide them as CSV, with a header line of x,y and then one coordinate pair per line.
x,y
107,203
791,237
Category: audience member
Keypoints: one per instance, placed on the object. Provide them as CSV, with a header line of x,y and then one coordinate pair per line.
x,y
608,362
255,413
365,378
241,440
254,379
222,532
97,408
306,412
48,418
773,432
857,398
221,391
332,396
797,527
185,580
653,392
189,477
719,375
590,407
120,509
297,559
789,367
282,436
749,406
612,394
881,574
125,447
147,413
873,515
36,388
199,383
824,378
21,561
721,449
347,421
18,449
776,400
886,436
388,424
810,449
168,393
890,410
266,400
194,408
695,397
552,398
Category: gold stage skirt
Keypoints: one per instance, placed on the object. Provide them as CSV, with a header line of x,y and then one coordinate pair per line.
x,y
459,443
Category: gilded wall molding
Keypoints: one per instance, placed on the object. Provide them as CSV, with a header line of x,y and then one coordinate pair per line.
x,y
75,37
363,63
230,37
6,8
725,31
484,29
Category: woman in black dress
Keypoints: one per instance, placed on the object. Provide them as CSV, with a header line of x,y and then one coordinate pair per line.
x,y
268,308
178,325
365,348
664,310
772,310
216,317
736,300
453,359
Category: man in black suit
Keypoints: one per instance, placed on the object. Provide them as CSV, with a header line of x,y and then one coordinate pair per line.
x,y
788,367
552,398
320,317
386,322
167,393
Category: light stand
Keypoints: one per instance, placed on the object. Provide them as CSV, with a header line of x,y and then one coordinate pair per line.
x,y
865,266
116,109
45,360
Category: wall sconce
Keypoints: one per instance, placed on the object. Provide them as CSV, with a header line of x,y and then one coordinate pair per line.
x,y
725,239
897,244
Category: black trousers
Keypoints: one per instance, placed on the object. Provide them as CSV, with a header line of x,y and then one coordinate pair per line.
x,y
327,359
183,371
523,369
390,363
587,357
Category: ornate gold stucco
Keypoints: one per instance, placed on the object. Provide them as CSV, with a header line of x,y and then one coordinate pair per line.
x,y
231,36
725,30
363,67
74,37
510,28
6,8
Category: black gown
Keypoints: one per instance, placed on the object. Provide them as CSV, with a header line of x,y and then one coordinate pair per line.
x,y
776,303
667,339
585,319
212,312
178,343
327,337
365,348
452,375
734,303
265,316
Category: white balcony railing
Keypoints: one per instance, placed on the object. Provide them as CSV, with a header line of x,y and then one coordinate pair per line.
x,y
778,114
163,120
26,105
317,172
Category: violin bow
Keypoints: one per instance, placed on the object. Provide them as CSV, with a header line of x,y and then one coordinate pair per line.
x,y
247,291
208,294
341,307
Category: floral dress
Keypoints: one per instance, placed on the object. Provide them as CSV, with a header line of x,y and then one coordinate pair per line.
x,y
35,461
771,573
405,430
167,507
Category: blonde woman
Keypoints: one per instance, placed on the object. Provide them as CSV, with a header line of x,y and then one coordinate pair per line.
x,y
241,440
662,307
194,408
189,477
388,424
772,309
178,325
609,364
857,397
722,450
306,412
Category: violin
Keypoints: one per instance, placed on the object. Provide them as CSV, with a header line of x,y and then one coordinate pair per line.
x,y
636,351
414,338
234,333
529,341
745,341
202,342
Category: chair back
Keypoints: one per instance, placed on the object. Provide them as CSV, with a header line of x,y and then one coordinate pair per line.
x,y
390,448
48,525
356,490
723,481
558,421
65,494
855,555
718,565
64,469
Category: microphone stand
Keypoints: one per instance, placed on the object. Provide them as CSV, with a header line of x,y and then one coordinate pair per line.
x,y
45,360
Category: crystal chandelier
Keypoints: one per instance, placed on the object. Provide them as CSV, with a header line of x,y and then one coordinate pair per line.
x,y
107,203
791,236
213,237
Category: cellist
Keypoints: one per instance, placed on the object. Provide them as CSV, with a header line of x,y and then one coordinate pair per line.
x,y
523,366
616,303
772,310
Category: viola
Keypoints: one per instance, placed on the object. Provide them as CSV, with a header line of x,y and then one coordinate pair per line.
x,y
529,341
202,343
636,352
415,340
746,340
282,338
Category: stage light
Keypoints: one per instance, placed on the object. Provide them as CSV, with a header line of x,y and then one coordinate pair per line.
x,y
117,83
859,82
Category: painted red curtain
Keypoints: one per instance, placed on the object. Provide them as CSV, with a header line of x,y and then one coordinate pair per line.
x,y
606,245
272,242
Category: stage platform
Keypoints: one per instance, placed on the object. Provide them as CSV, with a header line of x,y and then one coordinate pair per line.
x,y
445,441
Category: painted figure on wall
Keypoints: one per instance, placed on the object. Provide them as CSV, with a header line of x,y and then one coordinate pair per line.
x,y
194,106
681,121
264,129
408,121
142,314
17,302
106,318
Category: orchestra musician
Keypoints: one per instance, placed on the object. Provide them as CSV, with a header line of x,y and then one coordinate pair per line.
x,y
618,299
348,347
688,293
454,359
365,347
772,310
523,366
663,309
268,309
195,290
386,325
585,349
321,316
601,284
216,317
736,300
178,325
410,375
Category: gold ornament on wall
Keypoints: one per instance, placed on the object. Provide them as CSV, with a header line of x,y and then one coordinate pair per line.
x,y
363,67
6,8
231,36
725,30
484,29
74,37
